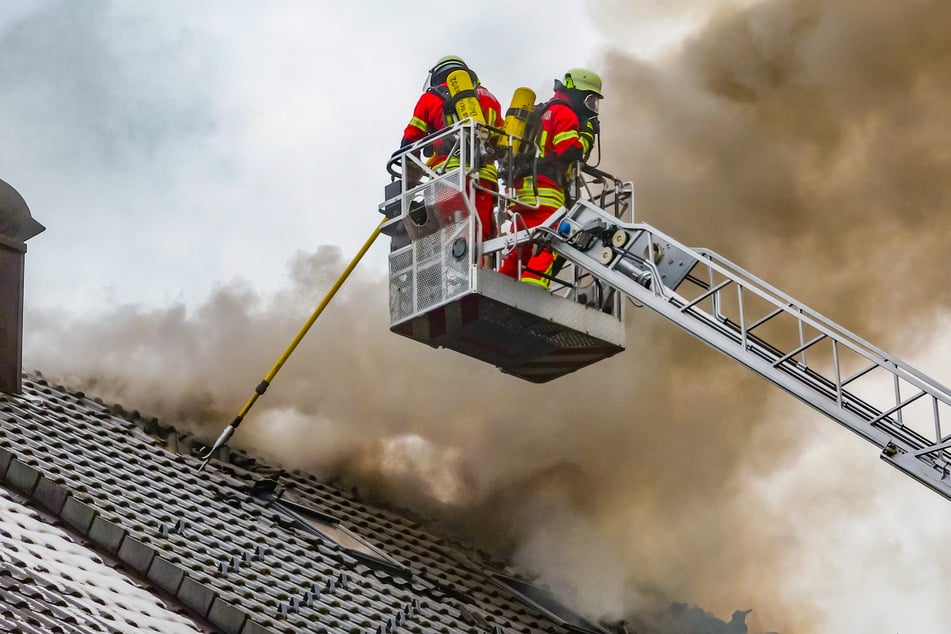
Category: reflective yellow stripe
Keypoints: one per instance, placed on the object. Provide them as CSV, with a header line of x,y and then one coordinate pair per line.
x,y
543,282
489,171
547,196
419,124
586,138
585,144
564,136
540,281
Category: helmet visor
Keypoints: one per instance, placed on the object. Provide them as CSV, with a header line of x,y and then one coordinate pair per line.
x,y
591,102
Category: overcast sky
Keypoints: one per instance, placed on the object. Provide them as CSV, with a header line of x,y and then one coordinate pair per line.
x,y
171,147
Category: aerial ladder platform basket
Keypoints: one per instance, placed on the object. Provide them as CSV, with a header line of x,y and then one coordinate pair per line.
x,y
445,293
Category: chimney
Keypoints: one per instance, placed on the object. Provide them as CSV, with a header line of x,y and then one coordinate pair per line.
x,y
16,227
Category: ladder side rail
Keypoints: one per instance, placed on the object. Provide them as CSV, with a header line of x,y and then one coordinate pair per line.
x,y
883,356
903,448
753,280
801,312
792,306
833,385
878,358
882,360
822,385
829,387
706,328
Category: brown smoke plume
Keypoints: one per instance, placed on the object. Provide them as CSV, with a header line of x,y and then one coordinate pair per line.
x,y
812,138
805,140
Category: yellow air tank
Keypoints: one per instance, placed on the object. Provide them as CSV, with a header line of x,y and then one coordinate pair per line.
x,y
515,117
468,106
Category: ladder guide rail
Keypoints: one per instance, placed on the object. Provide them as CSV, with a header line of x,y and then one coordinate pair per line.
x,y
844,376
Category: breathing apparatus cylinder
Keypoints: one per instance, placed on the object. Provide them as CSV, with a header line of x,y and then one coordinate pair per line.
x,y
468,106
516,116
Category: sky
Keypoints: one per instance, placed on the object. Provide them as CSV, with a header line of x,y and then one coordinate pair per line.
x,y
173,148
205,170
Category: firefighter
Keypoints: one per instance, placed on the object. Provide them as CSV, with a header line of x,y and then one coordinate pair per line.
x,y
565,135
433,113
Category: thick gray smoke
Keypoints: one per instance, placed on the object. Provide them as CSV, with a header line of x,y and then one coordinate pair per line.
x,y
808,141
811,137
804,139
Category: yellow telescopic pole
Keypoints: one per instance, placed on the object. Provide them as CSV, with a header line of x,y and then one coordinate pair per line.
x,y
266,382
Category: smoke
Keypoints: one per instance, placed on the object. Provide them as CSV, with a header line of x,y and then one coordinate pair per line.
x,y
805,140
808,142
808,136
600,454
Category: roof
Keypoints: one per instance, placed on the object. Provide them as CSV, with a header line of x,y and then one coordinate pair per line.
x,y
244,546
49,582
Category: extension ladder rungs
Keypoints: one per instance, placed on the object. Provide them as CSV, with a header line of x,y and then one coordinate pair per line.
x,y
894,424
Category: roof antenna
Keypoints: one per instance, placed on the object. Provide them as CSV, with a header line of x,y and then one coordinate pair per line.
x,y
269,377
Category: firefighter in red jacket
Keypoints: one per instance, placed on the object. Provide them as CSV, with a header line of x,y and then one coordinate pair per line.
x,y
568,129
433,113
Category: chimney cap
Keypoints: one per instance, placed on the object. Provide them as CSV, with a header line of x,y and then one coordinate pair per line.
x,y
16,221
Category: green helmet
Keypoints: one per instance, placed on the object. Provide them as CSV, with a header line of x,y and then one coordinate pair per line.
x,y
584,80
443,67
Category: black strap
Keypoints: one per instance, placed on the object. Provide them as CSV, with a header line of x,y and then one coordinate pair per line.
x,y
548,166
450,101
450,106
442,92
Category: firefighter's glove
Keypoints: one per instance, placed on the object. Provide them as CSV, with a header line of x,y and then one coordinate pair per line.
x,y
403,144
594,124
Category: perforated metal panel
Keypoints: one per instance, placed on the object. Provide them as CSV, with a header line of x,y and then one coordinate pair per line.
x,y
402,284
431,271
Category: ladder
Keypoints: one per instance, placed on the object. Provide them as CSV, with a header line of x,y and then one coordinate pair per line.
x,y
872,393
882,399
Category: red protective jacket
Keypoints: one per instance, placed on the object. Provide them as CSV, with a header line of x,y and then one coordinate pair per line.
x,y
429,115
564,139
